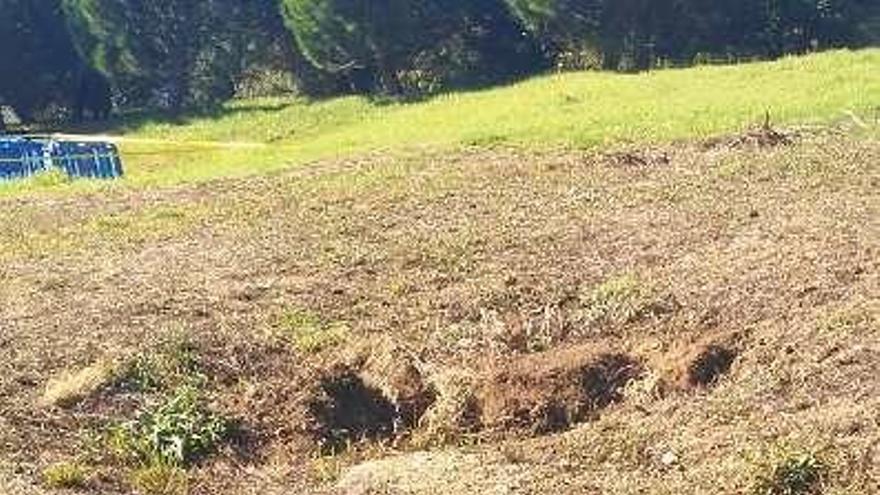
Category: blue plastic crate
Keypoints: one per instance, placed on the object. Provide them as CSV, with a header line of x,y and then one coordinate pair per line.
x,y
90,160
23,157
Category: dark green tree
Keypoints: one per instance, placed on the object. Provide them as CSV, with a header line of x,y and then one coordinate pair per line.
x,y
177,53
37,61
384,45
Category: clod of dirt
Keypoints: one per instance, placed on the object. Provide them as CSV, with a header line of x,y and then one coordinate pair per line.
x,y
455,412
396,372
551,391
639,158
709,364
701,364
765,136
374,395
73,386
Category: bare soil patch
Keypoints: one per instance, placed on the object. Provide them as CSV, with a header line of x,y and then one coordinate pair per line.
x,y
551,391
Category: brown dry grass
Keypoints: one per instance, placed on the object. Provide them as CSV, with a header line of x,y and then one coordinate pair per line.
x,y
468,258
72,386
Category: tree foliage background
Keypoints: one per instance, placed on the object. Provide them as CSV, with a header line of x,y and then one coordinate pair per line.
x,y
67,58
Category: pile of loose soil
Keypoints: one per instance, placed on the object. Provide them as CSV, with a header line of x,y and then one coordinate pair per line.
x,y
551,391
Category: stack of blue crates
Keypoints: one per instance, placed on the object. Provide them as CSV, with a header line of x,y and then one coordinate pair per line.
x,y
22,157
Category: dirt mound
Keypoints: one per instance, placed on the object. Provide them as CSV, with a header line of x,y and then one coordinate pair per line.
x,y
637,158
701,364
377,394
763,136
455,413
551,391
396,372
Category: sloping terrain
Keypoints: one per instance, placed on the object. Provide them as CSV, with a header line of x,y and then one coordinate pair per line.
x,y
682,318
581,110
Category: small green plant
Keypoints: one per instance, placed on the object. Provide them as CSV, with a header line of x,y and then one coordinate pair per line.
x,y
792,474
172,363
160,479
309,333
65,475
617,300
177,432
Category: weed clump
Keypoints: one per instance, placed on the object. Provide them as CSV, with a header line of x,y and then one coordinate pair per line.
x,y
173,363
793,474
620,300
308,333
177,432
160,479
65,475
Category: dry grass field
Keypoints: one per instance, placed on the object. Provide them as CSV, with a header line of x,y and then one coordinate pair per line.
x,y
688,318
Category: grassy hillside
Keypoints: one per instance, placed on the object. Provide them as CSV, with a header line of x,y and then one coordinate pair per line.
x,y
579,110
663,316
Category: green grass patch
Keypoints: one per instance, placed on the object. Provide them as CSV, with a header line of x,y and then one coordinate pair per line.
x,y
619,300
109,230
160,479
308,332
173,362
584,110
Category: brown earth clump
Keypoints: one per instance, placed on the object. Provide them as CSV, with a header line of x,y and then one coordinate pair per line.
x,y
763,136
551,391
638,158
396,372
346,410
710,363
376,393
700,364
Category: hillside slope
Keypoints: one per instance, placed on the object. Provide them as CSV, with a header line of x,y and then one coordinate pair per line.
x,y
581,110
667,317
